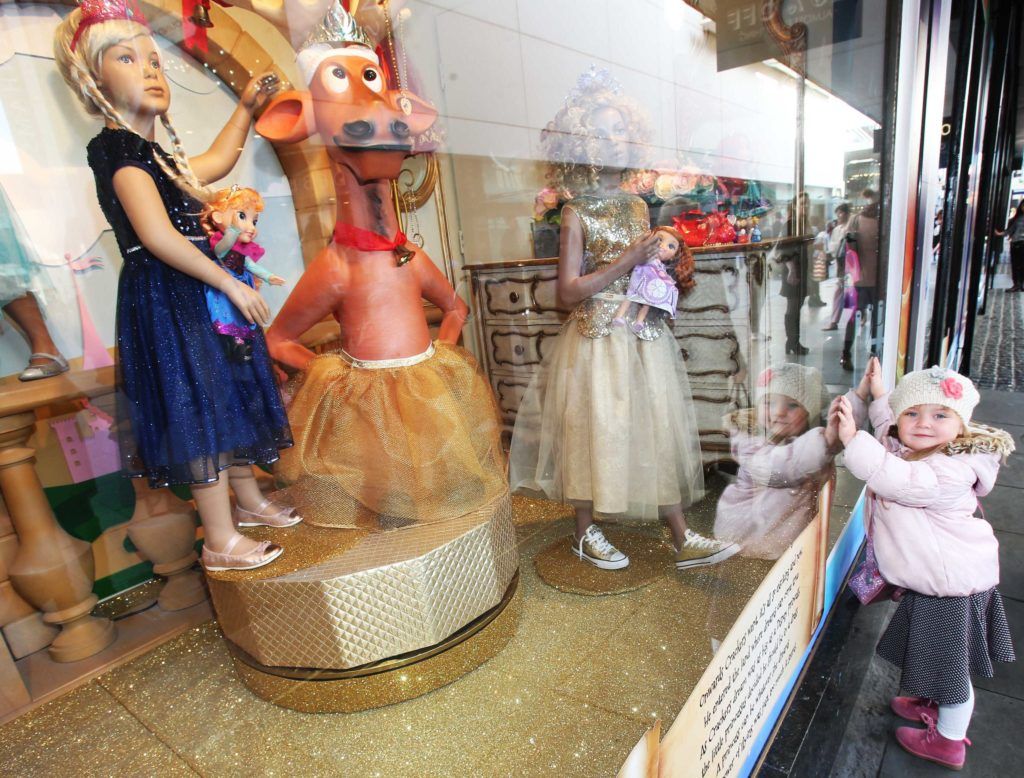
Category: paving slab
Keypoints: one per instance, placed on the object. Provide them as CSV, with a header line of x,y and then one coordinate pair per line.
x,y
1004,509
1011,565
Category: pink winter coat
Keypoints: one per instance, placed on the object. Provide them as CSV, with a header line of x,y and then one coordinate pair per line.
x,y
776,490
921,513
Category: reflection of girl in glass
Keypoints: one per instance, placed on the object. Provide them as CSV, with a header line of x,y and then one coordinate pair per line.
x,y
607,423
651,285
190,413
784,457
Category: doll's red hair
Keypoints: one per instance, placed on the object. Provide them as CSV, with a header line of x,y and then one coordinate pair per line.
x,y
685,266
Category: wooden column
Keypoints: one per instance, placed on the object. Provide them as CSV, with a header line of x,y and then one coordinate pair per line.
x,y
163,529
51,570
22,625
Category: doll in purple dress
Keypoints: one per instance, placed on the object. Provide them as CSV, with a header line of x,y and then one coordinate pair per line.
x,y
652,286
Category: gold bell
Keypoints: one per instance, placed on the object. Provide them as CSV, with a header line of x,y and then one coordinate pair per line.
x,y
201,16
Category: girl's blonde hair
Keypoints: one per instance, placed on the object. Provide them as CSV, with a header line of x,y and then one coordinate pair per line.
x,y
79,69
225,200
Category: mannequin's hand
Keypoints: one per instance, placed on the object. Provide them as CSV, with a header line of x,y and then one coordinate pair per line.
x,y
259,89
248,302
640,251
846,426
276,281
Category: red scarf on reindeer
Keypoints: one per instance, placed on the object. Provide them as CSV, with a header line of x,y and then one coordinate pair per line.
x,y
365,240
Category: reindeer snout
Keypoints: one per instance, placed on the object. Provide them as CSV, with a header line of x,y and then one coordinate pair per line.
x,y
400,129
359,130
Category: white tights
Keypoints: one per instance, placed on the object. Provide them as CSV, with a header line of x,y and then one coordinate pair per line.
x,y
953,719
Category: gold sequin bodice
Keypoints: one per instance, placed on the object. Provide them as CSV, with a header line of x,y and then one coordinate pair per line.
x,y
610,224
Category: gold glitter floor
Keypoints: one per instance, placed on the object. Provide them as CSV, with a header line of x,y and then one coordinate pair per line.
x,y
578,685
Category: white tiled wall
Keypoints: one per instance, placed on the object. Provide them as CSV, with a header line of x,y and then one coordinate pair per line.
x,y
499,70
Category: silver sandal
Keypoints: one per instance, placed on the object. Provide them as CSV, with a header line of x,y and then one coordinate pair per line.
x,y
56,366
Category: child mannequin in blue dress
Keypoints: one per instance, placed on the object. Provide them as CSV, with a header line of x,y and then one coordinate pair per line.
x,y
190,413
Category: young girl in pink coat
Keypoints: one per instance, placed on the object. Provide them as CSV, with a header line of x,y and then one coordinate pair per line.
x,y
924,473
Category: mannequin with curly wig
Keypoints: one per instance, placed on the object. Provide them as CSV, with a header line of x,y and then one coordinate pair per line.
x,y
607,423
575,145
185,414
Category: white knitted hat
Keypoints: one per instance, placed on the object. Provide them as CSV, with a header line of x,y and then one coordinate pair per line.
x,y
936,386
801,383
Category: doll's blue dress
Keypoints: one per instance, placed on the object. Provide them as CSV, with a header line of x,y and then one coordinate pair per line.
x,y
184,411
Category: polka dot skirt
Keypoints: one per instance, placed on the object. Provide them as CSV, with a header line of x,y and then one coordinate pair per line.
x,y
939,642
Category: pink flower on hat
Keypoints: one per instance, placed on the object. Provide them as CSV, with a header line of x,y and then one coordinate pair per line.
x,y
952,388
765,378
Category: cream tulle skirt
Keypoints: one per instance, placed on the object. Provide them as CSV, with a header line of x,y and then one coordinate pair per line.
x,y
609,421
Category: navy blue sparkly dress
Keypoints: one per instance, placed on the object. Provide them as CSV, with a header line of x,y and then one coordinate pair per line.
x,y
185,412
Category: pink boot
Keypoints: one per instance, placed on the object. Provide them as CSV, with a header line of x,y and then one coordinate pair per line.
x,y
912,708
929,744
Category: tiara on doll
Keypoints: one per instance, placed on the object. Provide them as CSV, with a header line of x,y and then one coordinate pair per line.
x,y
592,80
96,11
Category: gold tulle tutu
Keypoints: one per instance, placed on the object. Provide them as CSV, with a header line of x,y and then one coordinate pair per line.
x,y
385,446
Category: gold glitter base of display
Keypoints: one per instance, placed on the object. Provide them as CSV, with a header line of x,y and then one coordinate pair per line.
x,y
534,510
649,558
391,681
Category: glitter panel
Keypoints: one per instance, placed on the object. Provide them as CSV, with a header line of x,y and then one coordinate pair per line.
x,y
391,593
85,733
579,683
130,601
349,695
648,558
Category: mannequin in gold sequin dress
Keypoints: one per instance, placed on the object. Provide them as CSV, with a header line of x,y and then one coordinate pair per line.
x,y
607,423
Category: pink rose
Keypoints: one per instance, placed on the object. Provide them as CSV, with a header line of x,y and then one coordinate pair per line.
x,y
952,388
765,378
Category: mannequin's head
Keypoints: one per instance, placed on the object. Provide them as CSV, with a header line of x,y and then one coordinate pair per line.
x,y
93,58
115,70
598,129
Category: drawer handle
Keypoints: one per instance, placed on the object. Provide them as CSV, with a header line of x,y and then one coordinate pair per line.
x,y
519,350
513,297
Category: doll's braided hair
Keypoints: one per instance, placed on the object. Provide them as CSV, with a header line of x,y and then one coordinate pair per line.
x,y
78,68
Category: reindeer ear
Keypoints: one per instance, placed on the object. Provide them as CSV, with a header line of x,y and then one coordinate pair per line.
x,y
288,118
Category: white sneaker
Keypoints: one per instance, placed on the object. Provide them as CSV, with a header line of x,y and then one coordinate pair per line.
x,y
698,550
594,547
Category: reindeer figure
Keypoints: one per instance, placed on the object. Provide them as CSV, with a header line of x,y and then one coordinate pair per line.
x,y
394,424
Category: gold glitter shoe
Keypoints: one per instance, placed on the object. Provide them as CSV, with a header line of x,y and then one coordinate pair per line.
x,y
265,553
268,514
698,550
594,547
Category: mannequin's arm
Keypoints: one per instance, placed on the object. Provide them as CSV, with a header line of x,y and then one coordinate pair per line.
x,y
145,210
436,289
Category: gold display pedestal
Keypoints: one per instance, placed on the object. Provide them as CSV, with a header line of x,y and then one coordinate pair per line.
x,y
391,681
345,601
